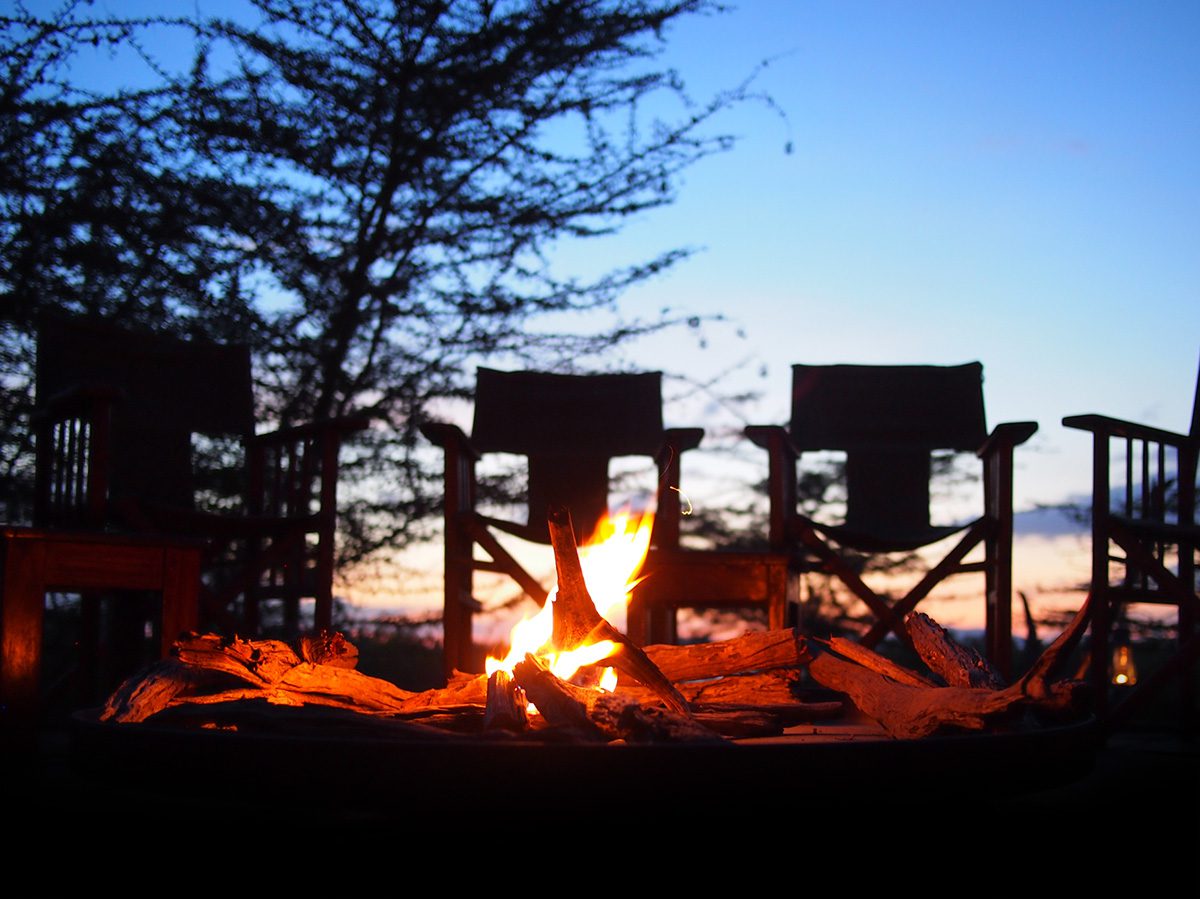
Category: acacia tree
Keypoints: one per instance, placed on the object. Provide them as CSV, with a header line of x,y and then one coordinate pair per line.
x,y
100,213
367,191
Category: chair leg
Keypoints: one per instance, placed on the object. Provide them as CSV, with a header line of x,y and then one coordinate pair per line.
x,y
834,564
947,566
663,626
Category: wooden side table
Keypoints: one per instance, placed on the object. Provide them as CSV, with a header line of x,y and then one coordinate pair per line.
x,y
35,561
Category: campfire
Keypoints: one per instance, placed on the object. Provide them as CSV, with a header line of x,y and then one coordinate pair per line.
x,y
571,676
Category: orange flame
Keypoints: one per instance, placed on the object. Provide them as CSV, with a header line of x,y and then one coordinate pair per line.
x,y
611,559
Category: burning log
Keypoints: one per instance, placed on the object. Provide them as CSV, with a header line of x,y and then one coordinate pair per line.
x,y
957,665
208,670
507,706
746,686
577,623
606,716
562,704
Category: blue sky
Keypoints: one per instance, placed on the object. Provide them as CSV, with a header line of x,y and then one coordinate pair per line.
x,y
1016,183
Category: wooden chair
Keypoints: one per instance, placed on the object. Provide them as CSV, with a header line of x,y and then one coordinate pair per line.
x,y
35,561
1145,538
888,420
118,411
570,427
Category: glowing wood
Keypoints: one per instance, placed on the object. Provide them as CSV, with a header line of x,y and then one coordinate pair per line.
x,y
957,665
507,707
208,666
265,683
598,716
909,712
209,670
758,651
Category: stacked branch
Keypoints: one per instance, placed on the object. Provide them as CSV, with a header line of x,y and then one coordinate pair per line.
x,y
602,716
726,685
206,669
908,706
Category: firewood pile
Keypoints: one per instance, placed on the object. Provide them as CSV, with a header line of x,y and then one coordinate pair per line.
x,y
755,685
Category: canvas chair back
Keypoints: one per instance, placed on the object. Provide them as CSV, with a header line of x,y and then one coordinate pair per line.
x,y
167,390
888,420
569,427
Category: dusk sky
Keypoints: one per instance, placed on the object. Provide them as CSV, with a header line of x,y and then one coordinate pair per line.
x,y
1016,183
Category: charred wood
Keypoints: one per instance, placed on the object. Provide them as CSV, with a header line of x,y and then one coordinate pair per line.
x,y
610,716
507,707
561,704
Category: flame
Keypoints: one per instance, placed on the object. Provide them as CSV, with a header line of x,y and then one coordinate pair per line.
x,y
611,559
563,665
608,680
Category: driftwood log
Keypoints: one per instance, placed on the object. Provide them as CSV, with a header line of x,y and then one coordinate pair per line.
x,y
748,686
605,716
957,665
906,711
740,687
760,651
208,669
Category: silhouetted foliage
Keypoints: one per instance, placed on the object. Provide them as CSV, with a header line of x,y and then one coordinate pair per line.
x,y
368,193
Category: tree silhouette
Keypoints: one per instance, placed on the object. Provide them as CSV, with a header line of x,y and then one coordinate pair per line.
x,y
367,192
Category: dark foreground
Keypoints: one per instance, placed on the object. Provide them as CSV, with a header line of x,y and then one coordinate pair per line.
x,y
1066,814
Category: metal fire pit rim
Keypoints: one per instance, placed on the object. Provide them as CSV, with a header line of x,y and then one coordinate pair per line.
x,y
375,775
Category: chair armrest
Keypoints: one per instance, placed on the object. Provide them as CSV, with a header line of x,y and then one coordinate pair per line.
x,y
782,456
1007,436
339,427
680,440
676,441
772,438
450,438
1102,425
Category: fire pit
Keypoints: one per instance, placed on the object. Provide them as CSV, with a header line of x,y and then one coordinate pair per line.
x,y
685,724
353,775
